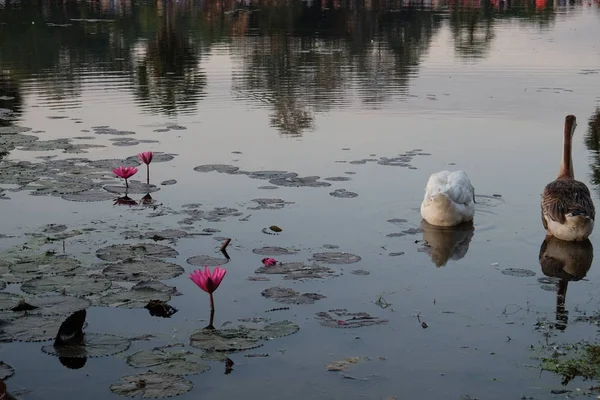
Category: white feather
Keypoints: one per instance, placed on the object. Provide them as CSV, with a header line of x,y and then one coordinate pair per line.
x,y
448,199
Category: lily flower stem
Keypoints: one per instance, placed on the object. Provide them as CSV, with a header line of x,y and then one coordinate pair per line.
x,y
148,174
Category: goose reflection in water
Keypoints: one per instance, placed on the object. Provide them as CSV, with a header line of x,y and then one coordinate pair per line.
x,y
565,261
445,243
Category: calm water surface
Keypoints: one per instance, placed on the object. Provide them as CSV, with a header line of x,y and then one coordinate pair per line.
x,y
316,89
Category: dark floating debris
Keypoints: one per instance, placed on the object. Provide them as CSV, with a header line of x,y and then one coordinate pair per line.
x,y
120,252
336,258
396,254
158,308
168,182
360,272
397,221
518,272
204,260
151,385
343,193
274,251
341,318
290,296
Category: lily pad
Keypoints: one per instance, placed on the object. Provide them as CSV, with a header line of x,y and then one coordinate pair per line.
x,y
135,298
135,187
8,300
275,330
121,252
89,196
30,267
237,339
293,180
157,285
297,270
58,304
336,258
290,296
94,345
110,164
157,156
30,328
6,371
337,179
142,270
341,318
274,251
343,193
220,168
208,261
166,234
518,272
150,385
74,285
168,359
269,204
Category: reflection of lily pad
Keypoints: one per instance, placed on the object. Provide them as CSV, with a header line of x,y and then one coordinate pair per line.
x,y
74,285
341,318
133,298
94,345
58,304
142,270
518,272
336,258
30,328
6,371
8,300
274,251
151,385
208,261
224,340
290,296
297,270
30,267
168,359
120,252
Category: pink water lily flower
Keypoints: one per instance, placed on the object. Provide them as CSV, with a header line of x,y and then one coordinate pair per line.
x,y
146,158
125,173
207,281
269,262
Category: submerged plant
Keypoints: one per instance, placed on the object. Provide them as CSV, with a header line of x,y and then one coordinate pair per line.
x,y
209,282
125,173
146,158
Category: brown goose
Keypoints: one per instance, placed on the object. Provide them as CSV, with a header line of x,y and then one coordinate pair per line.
x,y
567,208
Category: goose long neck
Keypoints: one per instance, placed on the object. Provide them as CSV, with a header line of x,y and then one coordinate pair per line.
x,y
566,165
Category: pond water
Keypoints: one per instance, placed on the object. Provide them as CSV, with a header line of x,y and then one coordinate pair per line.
x,y
376,96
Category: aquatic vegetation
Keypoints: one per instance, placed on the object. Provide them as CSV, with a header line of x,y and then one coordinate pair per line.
x,y
122,252
574,360
166,234
6,371
343,193
209,282
73,285
146,158
518,272
141,270
125,173
30,267
274,251
172,359
336,258
290,296
269,204
204,260
293,180
337,179
57,304
151,385
360,272
220,168
134,298
92,345
297,270
168,182
335,319
30,328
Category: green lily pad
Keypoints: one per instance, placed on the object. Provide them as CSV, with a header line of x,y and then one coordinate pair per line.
x,y
150,385
334,257
31,267
135,187
8,300
30,328
6,371
208,261
166,234
297,270
168,359
121,252
135,298
94,345
89,196
74,285
236,339
290,296
57,304
274,251
342,318
274,330
159,286
142,270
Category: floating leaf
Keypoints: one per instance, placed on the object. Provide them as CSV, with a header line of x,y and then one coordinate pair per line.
x,y
166,234
121,252
274,251
337,179
341,318
142,270
297,270
157,285
30,328
6,371
518,272
30,267
211,355
343,193
168,359
135,187
290,296
94,345
336,258
208,261
220,168
224,340
275,330
133,298
74,285
269,204
89,196
151,385
293,180
360,272
8,301
58,304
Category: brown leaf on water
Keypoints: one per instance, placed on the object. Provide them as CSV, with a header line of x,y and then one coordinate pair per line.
x,y
342,365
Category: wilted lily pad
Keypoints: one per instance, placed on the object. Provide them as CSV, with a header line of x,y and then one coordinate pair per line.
x,y
120,252
30,328
297,270
94,345
57,304
204,260
336,258
142,270
135,298
6,371
74,285
274,251
290,296
224,339
168,359
151,385
341,318
518,272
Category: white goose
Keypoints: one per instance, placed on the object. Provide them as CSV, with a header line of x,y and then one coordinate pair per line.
x,y
449,199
